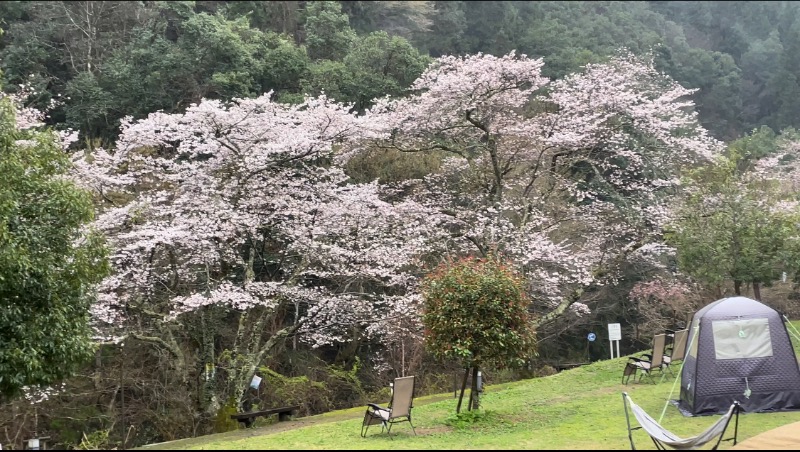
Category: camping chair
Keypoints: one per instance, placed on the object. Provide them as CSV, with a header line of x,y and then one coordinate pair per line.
x,y
678,350
654,361
670,342
662,437
399,409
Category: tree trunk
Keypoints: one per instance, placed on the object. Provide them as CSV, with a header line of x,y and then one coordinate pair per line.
x,y
98,366
474,402
463,388
757,290
210,399
737,288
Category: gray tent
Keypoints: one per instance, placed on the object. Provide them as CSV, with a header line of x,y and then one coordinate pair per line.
x,y
738,350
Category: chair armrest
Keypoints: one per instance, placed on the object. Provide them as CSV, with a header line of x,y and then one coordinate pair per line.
x,y
638,360
376,407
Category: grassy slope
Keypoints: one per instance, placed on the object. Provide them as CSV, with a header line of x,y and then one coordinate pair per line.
x,y
576,409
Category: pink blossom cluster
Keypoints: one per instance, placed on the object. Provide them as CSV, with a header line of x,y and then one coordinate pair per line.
x,y
27,117
782,167
659,289
565,177
205,192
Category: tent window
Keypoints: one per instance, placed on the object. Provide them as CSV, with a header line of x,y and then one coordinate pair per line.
x,y
745,338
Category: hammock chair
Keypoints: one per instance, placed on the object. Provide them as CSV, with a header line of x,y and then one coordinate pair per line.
x,y
663,437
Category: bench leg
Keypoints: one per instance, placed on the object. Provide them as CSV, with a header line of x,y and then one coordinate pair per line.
x,y
284,416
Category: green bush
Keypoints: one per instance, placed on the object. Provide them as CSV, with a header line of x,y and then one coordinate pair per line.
x,y
476,312
467,419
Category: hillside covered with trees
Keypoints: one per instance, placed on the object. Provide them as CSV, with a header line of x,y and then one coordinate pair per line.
x,y
260,188
107,60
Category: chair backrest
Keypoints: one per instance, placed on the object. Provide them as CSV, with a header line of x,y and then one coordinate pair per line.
x,y
679,347
402,396
659,341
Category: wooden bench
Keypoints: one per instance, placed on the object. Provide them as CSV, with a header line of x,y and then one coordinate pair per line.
x,y
284,414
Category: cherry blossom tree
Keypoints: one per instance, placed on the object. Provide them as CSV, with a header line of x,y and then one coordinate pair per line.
x,y
660,302
237,210
567,178
235,226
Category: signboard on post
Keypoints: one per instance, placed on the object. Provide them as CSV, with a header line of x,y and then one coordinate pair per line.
x,y
614,334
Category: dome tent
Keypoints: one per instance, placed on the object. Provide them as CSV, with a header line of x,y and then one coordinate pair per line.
x,y
738,350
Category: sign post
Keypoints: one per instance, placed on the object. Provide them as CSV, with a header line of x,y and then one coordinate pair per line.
x,y
614,334
591,337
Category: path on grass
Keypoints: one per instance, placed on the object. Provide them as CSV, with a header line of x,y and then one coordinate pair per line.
x,y
332,416
781,438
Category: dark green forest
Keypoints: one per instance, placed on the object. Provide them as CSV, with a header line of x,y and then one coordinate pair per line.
x,y
93,65
106,60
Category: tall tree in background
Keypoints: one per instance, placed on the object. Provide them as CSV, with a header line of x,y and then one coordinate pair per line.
x,y
407,19
327,30
381,65
375,66
49,259
277,16
735,227
447,31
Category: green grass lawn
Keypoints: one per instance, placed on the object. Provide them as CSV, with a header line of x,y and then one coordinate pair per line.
x,y
575,409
